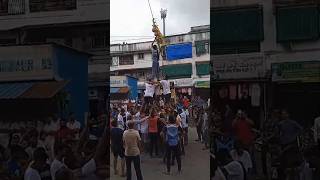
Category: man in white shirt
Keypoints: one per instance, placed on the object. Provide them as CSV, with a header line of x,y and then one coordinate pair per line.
x,y
166,90
121,123
232,170
74,126
184,124
317,131
149,93
50,128
240,154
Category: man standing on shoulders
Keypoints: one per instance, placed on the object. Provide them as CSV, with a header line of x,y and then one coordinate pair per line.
x,y
166,90
132,145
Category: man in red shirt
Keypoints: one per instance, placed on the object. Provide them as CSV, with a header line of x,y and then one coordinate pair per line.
x,y
186,102
64,133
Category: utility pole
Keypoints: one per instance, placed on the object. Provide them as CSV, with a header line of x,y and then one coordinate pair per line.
x,y
163,13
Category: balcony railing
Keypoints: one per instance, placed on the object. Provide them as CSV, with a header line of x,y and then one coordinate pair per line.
x,y
52,5
12,7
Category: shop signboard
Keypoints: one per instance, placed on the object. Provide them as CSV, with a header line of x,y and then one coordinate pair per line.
x,y
239,68
183,82
202,84
118,81
23,63
308,71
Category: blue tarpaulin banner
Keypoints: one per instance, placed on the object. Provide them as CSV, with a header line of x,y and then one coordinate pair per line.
x,y
179,51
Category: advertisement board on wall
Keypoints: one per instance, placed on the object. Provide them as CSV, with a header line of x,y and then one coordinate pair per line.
x,y
239,68
118,81
308,71
23,63
179,51
183,82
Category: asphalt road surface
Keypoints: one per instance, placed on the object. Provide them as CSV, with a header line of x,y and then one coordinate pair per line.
x,y
195,164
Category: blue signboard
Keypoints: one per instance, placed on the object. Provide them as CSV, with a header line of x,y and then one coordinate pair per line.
x,y
179,51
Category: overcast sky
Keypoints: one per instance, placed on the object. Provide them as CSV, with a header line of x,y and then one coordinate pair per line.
x,y
131,20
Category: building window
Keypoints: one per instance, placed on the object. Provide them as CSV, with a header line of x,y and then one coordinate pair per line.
x,y
8,41
115,61
99,41
243,25
202,47
41,6
140,56
297,23
237,48
180,38
12,7
126,60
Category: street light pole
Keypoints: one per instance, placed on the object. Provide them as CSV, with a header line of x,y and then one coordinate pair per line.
x,y
163,13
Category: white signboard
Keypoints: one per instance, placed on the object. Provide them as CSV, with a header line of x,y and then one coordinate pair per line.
x,y
118,81
239,68
21,63
183,82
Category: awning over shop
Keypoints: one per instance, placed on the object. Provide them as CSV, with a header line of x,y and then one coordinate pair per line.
x,y
38,90
121,90
13,90
203,69
177,71
44,90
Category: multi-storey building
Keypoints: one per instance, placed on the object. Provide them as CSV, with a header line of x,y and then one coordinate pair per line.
x,y
80,24
190,74
266,54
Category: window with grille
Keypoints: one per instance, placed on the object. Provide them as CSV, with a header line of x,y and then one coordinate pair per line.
x,y
126,60
238,48
8,41
52,5
202,47
99,41
140,56
115,61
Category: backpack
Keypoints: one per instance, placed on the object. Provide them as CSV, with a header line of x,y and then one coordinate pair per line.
x,y
172,135
225,173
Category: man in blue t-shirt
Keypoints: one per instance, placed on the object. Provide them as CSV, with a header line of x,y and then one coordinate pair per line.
x,y
172,143
117,147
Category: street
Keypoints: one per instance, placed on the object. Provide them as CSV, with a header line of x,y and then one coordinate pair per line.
x,y
195,164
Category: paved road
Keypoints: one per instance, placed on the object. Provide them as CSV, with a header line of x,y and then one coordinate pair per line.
x,y
195,165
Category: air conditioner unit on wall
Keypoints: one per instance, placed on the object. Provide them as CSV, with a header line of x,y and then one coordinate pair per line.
x,y
93,94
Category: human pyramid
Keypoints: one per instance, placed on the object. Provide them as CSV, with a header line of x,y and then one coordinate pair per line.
x,y
158,124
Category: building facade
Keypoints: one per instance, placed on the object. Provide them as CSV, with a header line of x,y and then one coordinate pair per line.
x,y
267,56
189,72
80,24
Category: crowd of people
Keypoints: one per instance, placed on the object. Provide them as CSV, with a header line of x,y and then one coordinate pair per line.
x,y
234,140
54,149
158,126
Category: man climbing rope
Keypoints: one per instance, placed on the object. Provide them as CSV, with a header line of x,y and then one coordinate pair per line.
x,y
155,61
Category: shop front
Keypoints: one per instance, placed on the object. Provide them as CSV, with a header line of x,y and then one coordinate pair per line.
x,y
296,87
202,87
183,87
240,83
123,88
42,81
